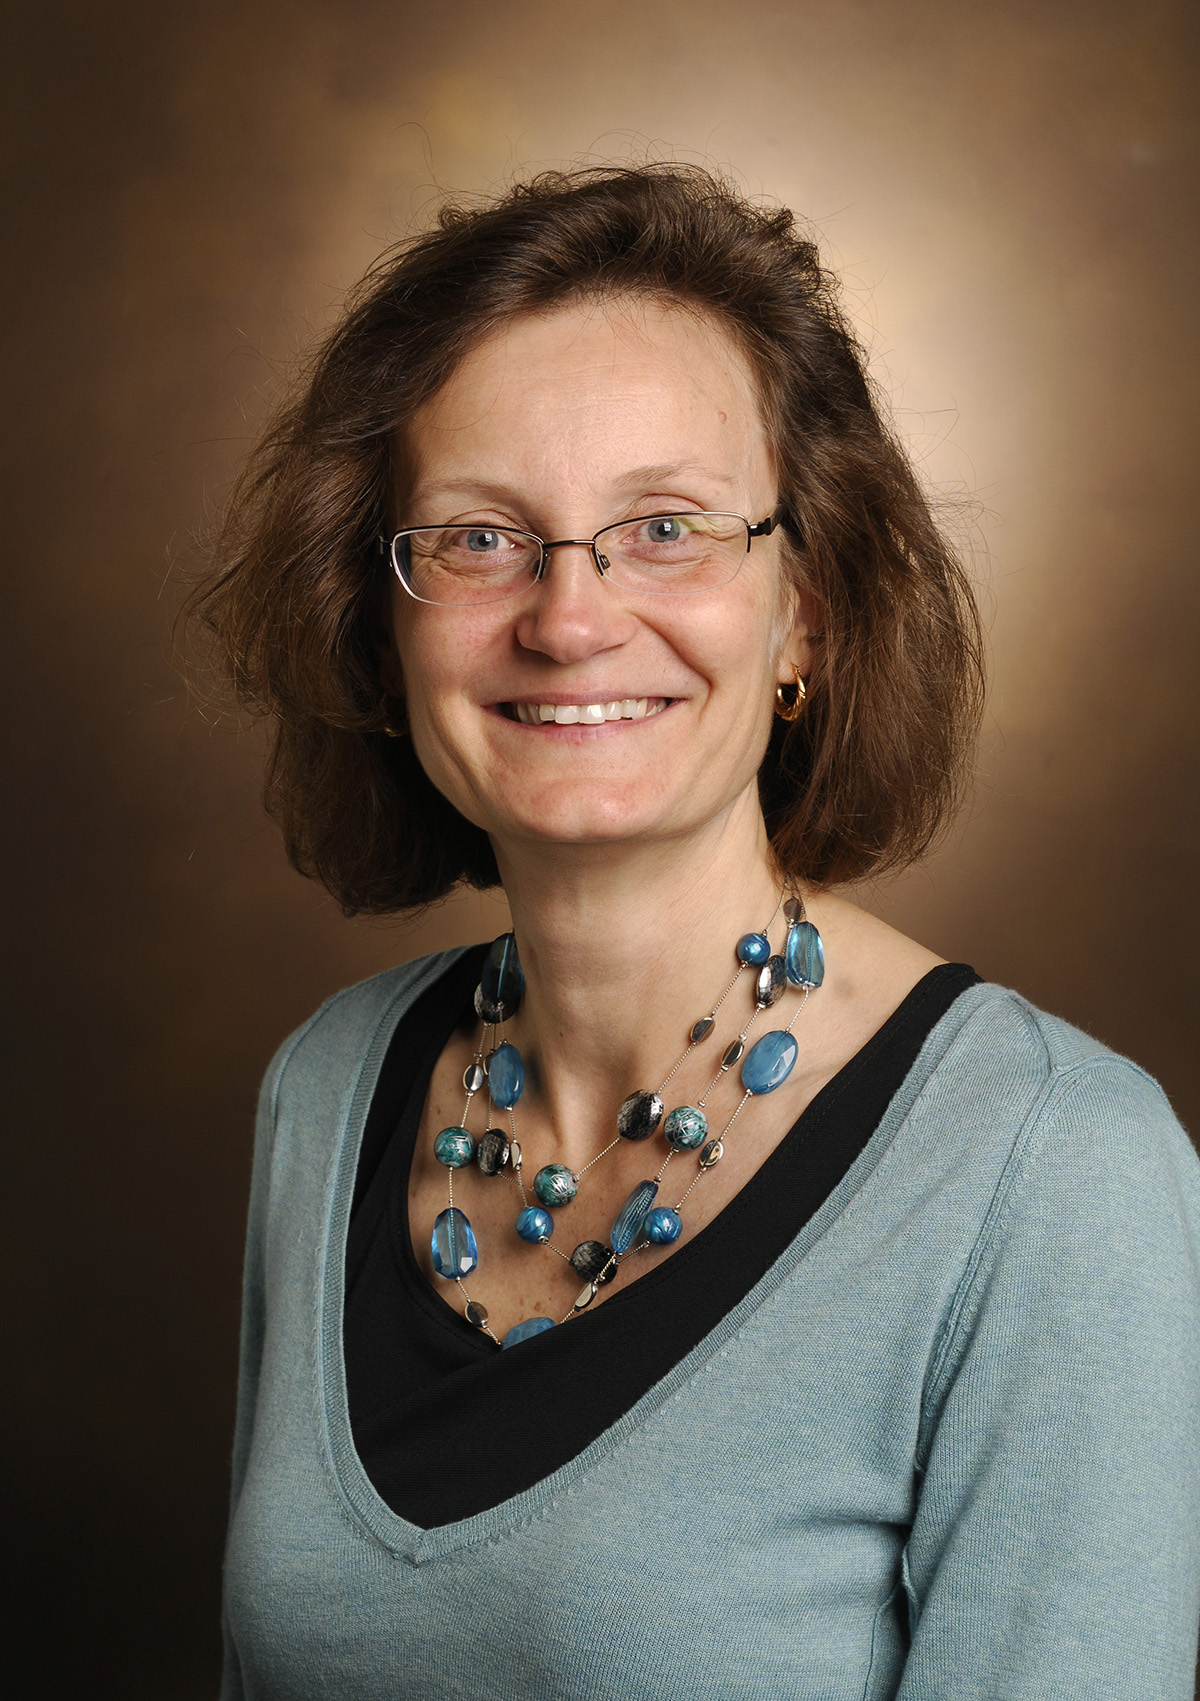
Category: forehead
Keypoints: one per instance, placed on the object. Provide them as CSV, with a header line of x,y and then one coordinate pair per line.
x,y
590,394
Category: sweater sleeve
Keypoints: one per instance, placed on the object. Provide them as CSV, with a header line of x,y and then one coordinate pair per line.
x,y
1055,1552
253,1323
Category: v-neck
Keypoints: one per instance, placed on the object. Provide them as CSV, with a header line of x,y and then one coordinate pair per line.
x,y
481,1381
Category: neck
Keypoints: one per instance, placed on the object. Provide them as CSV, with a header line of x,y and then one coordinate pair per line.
x,y
623,948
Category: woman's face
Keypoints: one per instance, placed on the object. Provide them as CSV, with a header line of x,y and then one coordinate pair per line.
x,y
559,424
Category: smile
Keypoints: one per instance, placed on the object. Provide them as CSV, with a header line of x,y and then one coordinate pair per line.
x,y
586,714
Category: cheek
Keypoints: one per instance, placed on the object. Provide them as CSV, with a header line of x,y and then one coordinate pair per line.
x,y
437,657
743,646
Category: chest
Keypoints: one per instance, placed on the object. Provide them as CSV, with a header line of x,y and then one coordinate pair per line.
x,y
514,1279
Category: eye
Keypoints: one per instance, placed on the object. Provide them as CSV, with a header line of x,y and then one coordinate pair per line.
x,y
482,540
667,528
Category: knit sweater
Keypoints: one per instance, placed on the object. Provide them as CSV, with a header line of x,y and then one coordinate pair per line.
x,y
947,1448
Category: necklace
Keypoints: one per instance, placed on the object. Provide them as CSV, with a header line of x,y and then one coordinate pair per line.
x,y
640,1224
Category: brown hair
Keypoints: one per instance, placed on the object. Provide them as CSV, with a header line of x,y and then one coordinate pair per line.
x,y
870,771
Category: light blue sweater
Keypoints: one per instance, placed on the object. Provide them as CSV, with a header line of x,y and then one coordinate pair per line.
x,y
948,1447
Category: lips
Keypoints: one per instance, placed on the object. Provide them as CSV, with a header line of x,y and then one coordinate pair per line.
x,y
586,714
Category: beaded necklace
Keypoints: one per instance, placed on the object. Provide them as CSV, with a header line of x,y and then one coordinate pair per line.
x,y
640,1224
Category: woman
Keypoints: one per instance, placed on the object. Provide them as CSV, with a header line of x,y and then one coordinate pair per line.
x,y
637,1307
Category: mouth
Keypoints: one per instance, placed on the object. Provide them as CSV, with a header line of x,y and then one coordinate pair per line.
x,y
585,714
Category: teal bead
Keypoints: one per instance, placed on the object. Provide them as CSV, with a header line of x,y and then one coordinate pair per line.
x,y
769,1063
686,1128
506,1076
662,1226
753,948
455,1253
454,1147
627,1230
526,1330
502,979
555,1184
535,1225
804,955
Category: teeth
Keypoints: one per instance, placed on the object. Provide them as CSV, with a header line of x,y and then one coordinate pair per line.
x,y
588,714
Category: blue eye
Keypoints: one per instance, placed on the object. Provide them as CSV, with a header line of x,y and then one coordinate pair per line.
x,y
482,541
667,529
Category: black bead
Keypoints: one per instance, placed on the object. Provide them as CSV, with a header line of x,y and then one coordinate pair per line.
x,y
639,1116
590,1259
491,1154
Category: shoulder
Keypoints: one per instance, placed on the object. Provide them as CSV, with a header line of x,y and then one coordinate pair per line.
x,y
1078,1133
992,1029
338,1038
1086,1234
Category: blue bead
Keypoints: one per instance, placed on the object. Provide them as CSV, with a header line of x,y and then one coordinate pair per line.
x,y
454,1250
454,1147
506,1076
535,1225
753,948
555,1184
627,1230
804,955
525,1331
662,1226
502,978
769,1063
686,1128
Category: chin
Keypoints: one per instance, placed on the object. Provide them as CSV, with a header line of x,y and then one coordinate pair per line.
x,y
568,817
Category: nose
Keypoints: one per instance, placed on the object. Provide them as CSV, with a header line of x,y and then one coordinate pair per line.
x,y
572,613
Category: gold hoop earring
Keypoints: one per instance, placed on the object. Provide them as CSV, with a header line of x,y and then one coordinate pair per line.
x,y
793,710
397,709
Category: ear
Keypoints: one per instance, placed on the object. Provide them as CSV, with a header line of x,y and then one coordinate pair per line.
x,y
391,670
800,627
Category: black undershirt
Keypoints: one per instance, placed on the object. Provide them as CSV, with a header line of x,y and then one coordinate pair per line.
x,y
434,1405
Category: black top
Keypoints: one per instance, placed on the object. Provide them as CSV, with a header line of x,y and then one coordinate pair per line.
x,y
448,1426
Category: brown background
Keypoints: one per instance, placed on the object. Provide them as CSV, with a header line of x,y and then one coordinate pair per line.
x,y
1009,191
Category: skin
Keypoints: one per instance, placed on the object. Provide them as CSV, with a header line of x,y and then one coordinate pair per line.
x,y
633,854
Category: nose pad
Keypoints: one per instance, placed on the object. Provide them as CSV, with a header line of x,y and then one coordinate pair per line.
x,y
601,562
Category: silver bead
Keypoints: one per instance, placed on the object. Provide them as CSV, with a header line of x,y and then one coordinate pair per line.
x,y
586,1296
476,1314
473,1078
701,1029
733,1053
711,1154
514,1156
491,1010
772,978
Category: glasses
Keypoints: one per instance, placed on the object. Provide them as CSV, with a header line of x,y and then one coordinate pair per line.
x,y
663,554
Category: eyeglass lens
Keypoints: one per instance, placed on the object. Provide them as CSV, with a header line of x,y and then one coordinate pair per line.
x,y
658,553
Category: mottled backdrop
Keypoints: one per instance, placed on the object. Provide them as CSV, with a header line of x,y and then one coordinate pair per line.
x,y
1009,191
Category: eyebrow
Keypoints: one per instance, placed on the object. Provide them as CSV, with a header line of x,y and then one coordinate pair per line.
x,y
638,478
